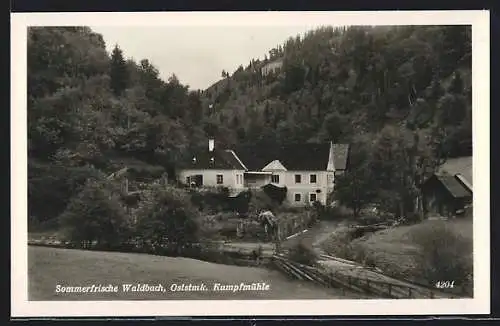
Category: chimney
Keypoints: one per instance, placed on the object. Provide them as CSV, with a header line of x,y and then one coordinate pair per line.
x,y
211,145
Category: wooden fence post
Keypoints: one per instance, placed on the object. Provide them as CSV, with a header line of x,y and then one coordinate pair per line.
x,y
409,292
389,286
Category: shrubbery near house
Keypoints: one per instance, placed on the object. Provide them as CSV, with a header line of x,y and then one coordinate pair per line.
x,y
260,201
167,216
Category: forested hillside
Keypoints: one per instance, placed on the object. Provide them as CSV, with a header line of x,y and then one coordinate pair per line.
x,y
90,114
341,83
407,90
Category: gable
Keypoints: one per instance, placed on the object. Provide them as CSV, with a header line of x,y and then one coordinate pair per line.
x,y
274,166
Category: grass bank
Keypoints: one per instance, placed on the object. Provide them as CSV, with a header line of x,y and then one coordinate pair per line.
x,y
425,253
49,267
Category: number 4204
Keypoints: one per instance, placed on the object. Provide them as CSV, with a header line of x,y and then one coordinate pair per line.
x,y
445,284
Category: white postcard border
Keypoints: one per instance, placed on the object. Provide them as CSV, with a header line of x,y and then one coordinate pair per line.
x,y
480,304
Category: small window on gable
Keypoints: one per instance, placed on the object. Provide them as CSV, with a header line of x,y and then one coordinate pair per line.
x,y
298,178
312,198
312,178
220,179
298,197
275,178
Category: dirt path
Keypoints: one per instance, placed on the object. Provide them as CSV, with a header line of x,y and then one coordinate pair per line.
x,y
313,237
320,232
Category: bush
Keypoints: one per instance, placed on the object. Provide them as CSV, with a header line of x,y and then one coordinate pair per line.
x,y
303,254
290,209
167,216
368,220
96,214
276,194
444,254
241,202
335,213
213,200
260,201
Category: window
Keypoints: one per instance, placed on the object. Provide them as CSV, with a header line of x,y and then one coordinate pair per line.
x,y
298,197
298,178
275,178
220,179
312,178
312,197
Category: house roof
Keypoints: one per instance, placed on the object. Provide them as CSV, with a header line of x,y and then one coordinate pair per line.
x,y
311,156
455,188
341,154
222,160
459,165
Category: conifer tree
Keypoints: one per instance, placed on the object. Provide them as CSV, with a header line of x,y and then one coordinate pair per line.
x,y
118,73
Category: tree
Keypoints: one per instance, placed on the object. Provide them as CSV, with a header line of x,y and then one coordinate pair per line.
x,y
96,214
118,72
392,167
63,181
235,123
82,115
267,114
333,127
195,107
356,188
401,161
167,216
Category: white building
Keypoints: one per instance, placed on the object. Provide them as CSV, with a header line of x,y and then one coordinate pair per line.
x,y
272,67
307,171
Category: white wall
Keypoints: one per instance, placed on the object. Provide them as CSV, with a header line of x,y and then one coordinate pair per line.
x,y
271,67
229,177
286,179
323,183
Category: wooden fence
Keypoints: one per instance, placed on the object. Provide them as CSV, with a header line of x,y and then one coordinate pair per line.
x,y
336,279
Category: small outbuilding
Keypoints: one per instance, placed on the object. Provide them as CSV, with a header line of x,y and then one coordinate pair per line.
x,y
448,192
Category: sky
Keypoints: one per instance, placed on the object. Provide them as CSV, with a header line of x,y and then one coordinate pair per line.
x,y
196,54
